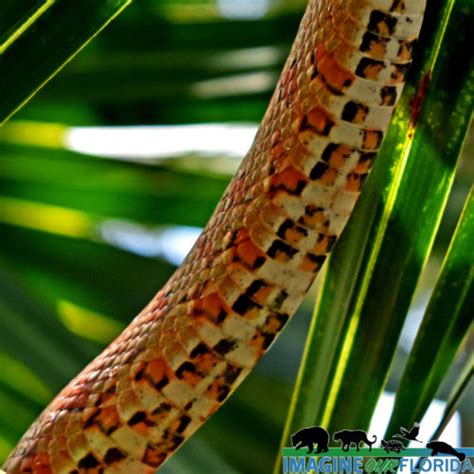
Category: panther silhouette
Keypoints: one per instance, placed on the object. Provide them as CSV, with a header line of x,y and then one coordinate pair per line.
x,y
309,437
347,437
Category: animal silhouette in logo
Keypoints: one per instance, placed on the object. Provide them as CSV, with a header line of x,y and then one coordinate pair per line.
x,y
309,437
347,437
409,435
444,448
392,445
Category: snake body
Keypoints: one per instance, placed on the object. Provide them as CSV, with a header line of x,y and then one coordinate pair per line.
x,y
271,232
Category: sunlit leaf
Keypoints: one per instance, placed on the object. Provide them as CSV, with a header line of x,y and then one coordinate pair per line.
x,y
443,329
377,263
40,41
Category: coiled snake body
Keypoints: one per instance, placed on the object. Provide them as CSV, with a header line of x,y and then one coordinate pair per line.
x,y
183,355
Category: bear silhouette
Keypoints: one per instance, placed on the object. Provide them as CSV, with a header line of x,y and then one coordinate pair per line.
x,y
309,437
347,437
442,447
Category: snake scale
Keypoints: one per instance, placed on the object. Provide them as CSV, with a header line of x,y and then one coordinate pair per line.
x,y
184,354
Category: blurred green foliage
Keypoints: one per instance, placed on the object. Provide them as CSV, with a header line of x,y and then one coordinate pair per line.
x,y
65,289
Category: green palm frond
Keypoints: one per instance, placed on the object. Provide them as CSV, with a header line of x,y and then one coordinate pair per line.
x,y
83,235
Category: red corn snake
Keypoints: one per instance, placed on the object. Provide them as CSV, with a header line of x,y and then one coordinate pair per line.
x,y
271,232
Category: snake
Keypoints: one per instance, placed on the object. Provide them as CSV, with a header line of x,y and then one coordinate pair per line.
x,y
185,353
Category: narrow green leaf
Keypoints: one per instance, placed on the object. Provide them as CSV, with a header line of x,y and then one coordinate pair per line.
x,y
377,263
443,329
456,396
45,39
12,12
23,325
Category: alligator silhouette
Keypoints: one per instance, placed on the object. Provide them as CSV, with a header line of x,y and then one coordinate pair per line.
x,y
347,437
309,437
392,445
444,448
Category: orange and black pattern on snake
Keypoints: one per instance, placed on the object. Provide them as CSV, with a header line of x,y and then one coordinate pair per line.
x,y
184,354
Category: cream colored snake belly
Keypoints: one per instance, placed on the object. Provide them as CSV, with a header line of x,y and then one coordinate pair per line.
x,y
185,353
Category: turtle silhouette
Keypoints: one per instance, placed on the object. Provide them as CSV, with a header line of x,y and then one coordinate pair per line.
x,y
309,437
392,445
444,448
409,435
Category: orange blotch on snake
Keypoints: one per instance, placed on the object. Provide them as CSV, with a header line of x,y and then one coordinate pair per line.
x,y
275,322
354,112
242,236
405,50
365,162
388,96
265,335
154,455
398,73
314,218
213,306
259,292
323,173
382,23
318,120
218,390
106,418
291,233
372,139
38,463
290,180
141,422
372,69
329,177
336,155
189,374
324,244
281,251
250,254
312,263
158,373
335,76
277,149
261,341
374,45
354,182
398,6
206,362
